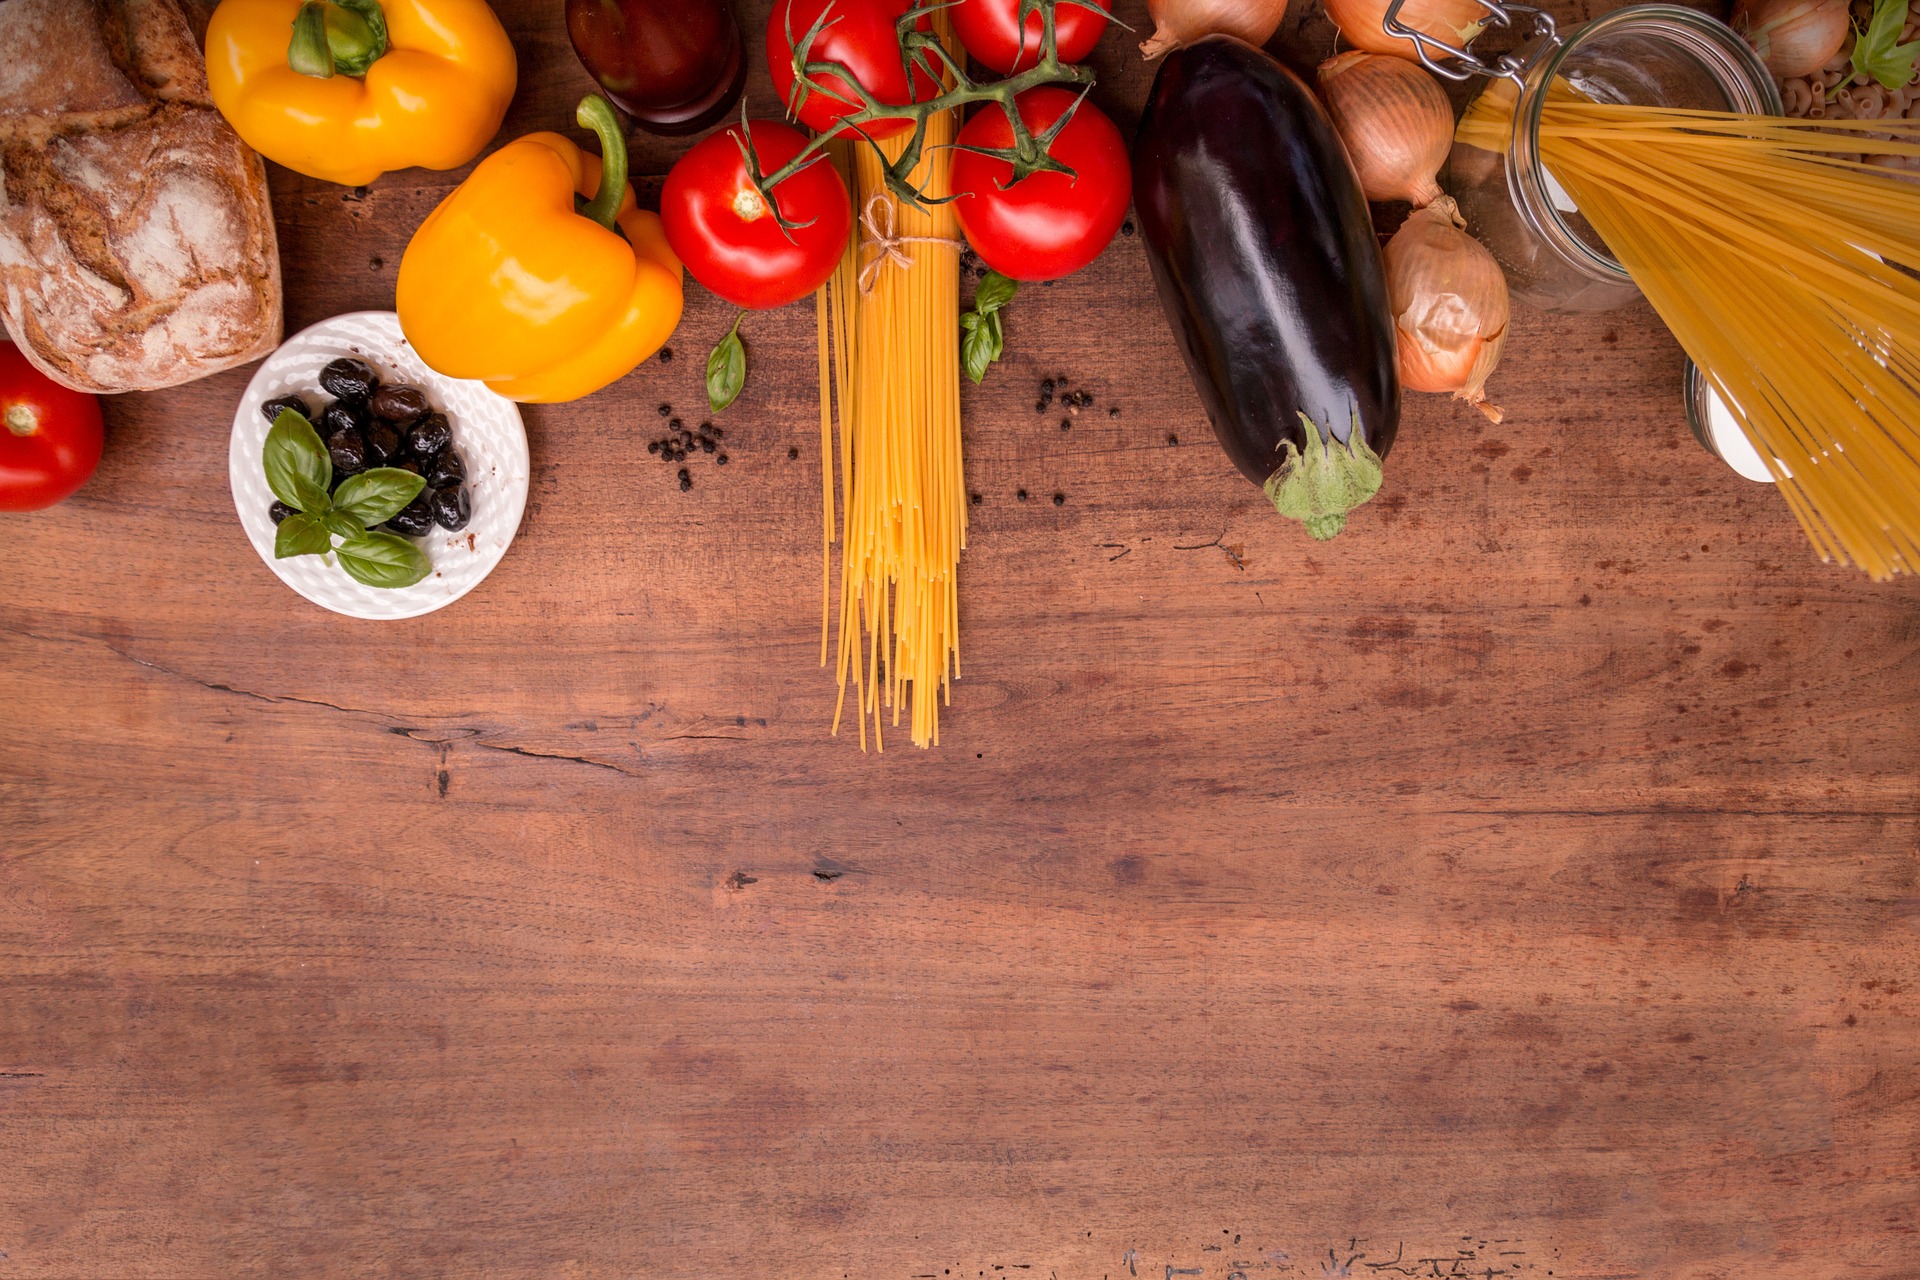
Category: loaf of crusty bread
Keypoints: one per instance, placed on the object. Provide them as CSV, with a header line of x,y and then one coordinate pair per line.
x,y
136,239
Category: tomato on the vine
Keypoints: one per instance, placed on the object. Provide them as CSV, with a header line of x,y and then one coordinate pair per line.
x,y
1047,225
721,227
991,30
50,436
861,35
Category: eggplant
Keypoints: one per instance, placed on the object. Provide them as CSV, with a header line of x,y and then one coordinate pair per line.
x,y
1264,255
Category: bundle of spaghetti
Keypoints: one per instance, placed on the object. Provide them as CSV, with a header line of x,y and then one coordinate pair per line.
x,y
890,342
1780,254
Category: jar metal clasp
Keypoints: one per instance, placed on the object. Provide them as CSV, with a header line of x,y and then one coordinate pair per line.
x,y
1459,62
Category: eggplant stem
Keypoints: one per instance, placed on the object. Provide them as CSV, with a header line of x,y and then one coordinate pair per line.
x,y
1320,486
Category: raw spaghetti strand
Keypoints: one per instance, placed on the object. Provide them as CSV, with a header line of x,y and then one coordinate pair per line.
x,y
1779,256
890,350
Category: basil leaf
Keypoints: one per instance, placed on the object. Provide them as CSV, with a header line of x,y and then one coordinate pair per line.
x,y
342,525
1877,51
727,369
298,469
982,344
377,495
300,535
383,560
995,292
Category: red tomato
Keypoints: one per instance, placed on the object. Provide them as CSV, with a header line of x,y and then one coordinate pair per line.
x,y
1047,225
864,38
722,229
991,31
51,439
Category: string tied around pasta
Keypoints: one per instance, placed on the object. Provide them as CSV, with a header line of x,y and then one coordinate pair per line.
x,y
887,246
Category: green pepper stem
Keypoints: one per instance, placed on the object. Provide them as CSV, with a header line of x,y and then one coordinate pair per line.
x,y
596,113
343,37
309,53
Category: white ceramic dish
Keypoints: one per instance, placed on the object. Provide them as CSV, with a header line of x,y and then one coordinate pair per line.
x,y
486,430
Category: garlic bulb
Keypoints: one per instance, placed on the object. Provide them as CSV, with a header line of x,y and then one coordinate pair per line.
x,y
1395,120
1177,23
1450,306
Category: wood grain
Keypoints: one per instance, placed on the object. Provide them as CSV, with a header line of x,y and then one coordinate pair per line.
x,y
1522,885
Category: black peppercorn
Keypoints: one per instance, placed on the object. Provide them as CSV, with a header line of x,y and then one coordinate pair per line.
x,y
666,355
686,481
1059,499
1022,495
653,446
706,446
666,411
793,452
722,459
1066,424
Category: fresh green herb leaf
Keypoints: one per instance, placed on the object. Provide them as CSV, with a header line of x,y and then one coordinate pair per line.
x,y
383,560
301,535
376,495
298,469
727,369
995,292
981,344
342,525
1877,51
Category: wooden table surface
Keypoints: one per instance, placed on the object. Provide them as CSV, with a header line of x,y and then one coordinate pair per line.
x,y
1522,885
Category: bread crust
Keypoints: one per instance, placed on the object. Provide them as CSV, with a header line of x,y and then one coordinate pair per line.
x,y
137,245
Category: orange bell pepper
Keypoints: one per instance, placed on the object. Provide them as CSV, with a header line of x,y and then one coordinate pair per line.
x,y
506,283
345,90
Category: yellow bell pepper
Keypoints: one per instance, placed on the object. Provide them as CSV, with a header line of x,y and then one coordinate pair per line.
x,y
345,90
506,283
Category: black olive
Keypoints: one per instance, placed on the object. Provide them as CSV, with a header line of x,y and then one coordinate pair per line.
x,y
279,511
272,408
429,436
407,464
349,379
400,405
349,453
342,416
415,520
383,444
451,510
446,469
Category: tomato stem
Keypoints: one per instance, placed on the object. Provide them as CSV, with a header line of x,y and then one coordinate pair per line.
x,y
923,51
23,419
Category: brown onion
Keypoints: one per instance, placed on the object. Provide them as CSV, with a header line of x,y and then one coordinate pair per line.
x,y
1177,23
1450,307
1395,120
1360,21
1793,37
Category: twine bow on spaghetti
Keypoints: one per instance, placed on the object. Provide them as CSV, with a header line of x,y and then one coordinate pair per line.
x,y
887,247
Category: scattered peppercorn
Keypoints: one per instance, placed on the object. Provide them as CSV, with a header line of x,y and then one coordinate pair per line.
x,y
675,425
706,445
1059,499
1172,438
1114,412
653,446
976,498
666,355
1022,495
1066,424
686,481
1126,228
666,411
793,452
721,460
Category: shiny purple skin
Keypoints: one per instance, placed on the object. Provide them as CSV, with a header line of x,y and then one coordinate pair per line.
x,y
1264,253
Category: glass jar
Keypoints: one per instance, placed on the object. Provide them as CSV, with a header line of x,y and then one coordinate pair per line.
x,y
1651,55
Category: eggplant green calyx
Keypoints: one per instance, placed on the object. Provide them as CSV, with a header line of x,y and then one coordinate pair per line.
x,y
1319,487
596,113
337,37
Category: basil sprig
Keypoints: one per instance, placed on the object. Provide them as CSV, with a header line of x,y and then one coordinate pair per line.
x,y
727,368
983,341
300,473
1877,51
